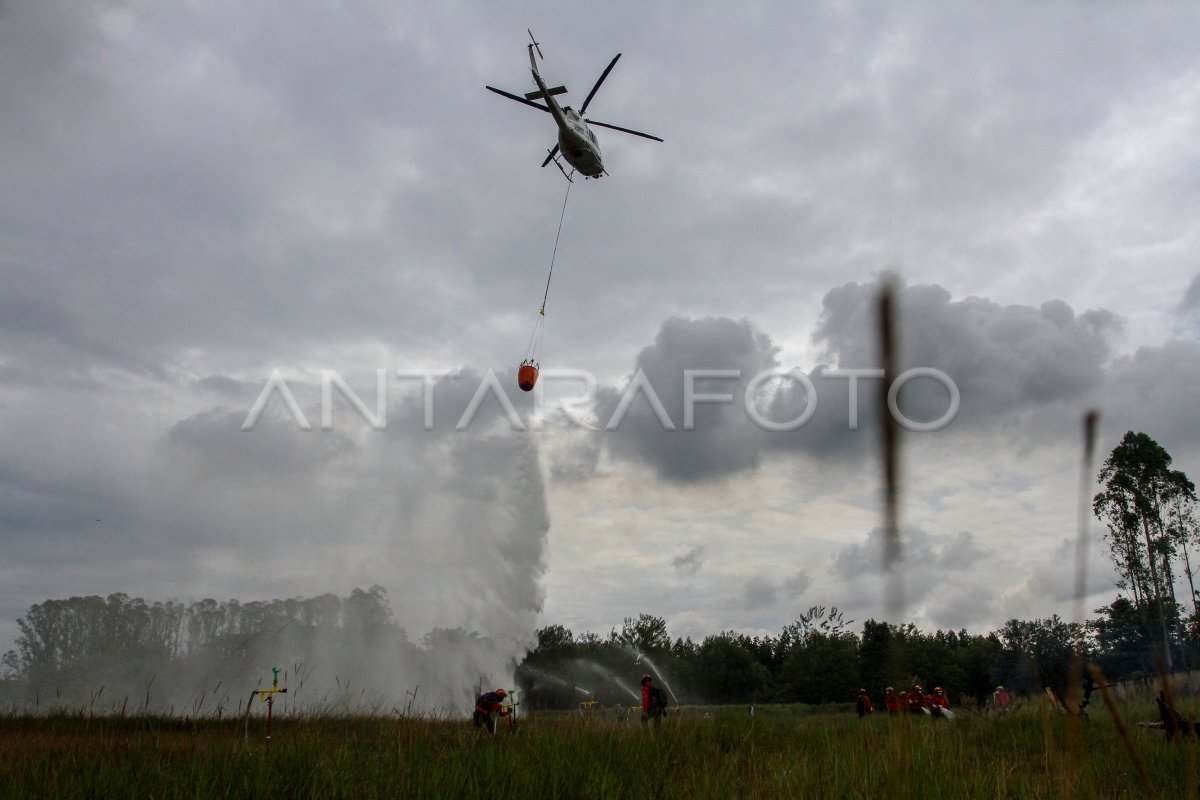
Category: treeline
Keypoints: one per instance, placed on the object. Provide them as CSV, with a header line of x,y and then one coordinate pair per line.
x,y
204,656
338,653
819,658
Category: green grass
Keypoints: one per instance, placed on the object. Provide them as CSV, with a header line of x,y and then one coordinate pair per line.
x,y
780,752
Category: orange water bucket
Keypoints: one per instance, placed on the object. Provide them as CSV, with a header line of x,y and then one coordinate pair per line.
x,y
527,376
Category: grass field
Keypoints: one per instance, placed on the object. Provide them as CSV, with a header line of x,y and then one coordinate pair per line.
x,y
779,752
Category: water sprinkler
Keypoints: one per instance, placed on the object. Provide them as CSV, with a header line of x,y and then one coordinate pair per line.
x,y
511,708
588,707
265,696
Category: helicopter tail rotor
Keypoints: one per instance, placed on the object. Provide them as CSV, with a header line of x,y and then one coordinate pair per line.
x,y
535,44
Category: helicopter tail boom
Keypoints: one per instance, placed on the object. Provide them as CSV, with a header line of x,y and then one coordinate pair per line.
x,y
543,92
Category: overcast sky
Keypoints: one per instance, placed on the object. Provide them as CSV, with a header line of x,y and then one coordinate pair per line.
x,y
197,195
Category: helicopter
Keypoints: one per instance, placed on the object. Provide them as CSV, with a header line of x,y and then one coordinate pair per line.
x,y
576,140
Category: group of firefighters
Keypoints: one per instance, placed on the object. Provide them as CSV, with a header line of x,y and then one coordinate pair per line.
x,y
915,701
491,705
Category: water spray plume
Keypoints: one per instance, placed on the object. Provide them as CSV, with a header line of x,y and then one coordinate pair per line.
x,y
613,679
541,674
658,673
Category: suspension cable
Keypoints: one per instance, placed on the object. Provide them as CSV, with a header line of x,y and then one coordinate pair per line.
x,y
555,253
539,327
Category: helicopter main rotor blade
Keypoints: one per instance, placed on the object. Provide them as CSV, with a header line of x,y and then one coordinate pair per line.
x,y
553,150
519,99
603,75
622,130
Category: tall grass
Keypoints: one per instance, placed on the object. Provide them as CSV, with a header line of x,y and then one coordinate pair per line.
x,y
779,752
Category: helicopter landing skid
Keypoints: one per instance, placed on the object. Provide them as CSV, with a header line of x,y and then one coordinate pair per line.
x,y
557,163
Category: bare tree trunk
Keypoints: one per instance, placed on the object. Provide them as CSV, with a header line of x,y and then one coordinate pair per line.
x,y
1164,538
1187,569
1158,594
1135,581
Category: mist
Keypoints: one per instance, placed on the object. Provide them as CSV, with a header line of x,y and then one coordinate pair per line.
x,y
447,528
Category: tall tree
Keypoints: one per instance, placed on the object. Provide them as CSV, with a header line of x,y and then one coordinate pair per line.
x,y
1180,517
1138,485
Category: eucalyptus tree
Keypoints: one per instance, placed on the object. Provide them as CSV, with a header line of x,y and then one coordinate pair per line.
x,y
1146,507
1179,515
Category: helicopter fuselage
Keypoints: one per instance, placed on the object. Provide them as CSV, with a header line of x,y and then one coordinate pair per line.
x,y
578,144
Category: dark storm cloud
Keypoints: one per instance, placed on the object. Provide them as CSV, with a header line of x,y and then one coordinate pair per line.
x,y
722,441
199,177
1005,361
1154,390
252,187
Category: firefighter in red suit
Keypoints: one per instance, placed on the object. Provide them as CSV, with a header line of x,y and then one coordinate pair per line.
x,y
488,707
937,702
892,701
916,700
654,705
863,706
